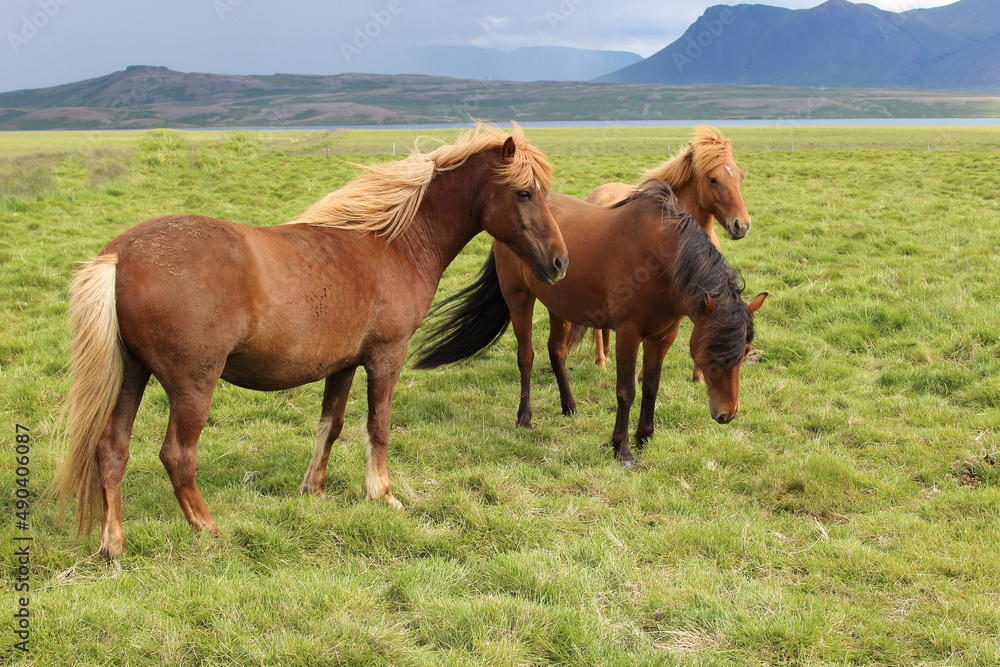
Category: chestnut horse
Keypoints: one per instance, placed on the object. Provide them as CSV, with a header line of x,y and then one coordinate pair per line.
x,y
709,185
664,268
191,299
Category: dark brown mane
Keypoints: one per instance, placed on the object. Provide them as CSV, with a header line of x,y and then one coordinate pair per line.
x,y
701,269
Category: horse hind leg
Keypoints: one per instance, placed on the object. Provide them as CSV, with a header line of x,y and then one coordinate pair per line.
x,y
113,453
331,422
189,407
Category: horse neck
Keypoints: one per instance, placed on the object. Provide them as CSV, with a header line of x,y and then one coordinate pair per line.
x,y
687,195
448,218
695,268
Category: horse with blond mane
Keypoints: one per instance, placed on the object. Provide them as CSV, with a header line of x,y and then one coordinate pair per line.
x,y
677,274
707,182
190,300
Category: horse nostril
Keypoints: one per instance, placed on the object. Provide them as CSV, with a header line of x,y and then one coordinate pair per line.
x,y
560,263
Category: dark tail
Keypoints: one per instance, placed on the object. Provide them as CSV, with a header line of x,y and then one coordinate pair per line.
x,y
471,320
576,334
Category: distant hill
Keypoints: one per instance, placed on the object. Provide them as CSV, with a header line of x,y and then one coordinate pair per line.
x,y
837,44
144,97
535,63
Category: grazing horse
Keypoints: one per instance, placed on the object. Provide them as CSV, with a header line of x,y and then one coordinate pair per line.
x,y
191,299
664,268
708,183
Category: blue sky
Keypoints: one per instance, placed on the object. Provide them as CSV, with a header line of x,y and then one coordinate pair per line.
x,y
48,42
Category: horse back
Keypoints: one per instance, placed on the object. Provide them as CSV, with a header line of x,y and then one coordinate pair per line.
x,y
265,307
606,248
609,193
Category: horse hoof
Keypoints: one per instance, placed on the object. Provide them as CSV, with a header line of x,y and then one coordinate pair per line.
x,y
525,423
569,412
309,490
112,551
393,503
624,456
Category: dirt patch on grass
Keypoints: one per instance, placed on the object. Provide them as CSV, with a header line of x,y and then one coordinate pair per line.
x,y
688,642
978,470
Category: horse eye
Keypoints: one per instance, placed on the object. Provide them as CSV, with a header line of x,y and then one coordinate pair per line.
x,y
524,195
713,181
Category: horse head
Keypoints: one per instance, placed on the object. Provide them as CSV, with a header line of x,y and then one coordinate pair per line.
x,y
720,192
720,342
517,215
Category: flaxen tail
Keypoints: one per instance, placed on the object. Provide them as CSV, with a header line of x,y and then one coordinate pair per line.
x,y
576,334
97,366
470,320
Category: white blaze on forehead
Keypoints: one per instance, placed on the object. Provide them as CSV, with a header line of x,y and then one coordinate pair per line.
x,y
729,170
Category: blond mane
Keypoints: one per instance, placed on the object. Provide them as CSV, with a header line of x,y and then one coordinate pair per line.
x,y
707,150
386,199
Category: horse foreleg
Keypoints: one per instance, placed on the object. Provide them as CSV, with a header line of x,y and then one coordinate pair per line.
x,y
383,372
522,307
626,350
558,331
189,407
331,422
606,344
112,455
653,351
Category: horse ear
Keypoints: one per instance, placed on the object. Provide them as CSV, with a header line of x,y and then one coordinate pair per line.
x,y
508,149
709,304
757,302
729,146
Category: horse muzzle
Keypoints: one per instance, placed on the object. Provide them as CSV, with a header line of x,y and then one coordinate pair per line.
x,y
724,417
738,228
553,271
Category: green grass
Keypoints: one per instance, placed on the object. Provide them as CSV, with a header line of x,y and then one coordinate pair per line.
x,y
849,515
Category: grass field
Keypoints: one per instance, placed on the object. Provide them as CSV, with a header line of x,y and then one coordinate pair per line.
x,y
849,515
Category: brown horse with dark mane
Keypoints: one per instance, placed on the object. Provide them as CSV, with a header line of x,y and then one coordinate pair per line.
x,y
709,185
190,299
664,268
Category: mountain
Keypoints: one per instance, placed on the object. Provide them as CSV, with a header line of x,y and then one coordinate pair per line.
x,y
836,44
535,63
146,97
